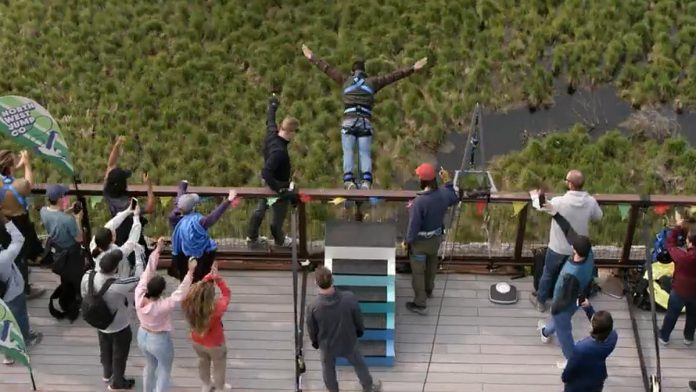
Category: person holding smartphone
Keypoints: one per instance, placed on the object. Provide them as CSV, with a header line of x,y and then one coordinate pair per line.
x,y
104,239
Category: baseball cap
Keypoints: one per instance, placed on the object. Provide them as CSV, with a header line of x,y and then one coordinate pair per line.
x,y
425,172
56,191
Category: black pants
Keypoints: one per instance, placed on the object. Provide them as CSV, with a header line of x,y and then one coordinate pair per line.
x,y
205,262
114,349
280,210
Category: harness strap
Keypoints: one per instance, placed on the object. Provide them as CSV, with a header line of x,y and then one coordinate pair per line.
x,y
358,109
7,186
359,83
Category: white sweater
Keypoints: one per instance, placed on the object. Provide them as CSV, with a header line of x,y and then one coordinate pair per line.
x,y
578,207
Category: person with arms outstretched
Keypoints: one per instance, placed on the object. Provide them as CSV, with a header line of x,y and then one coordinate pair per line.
x,y
358,98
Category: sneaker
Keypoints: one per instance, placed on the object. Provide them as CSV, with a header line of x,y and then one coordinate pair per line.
x,y
35,292
261,240
287,243
539,306
34,338
692,385
422,310
540,327
106,379
8,361
376,386
662,341
365,185
688,342
429,294
561,364
348,185
128,385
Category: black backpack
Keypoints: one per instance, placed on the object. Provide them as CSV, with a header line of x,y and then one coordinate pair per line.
x,y
95,311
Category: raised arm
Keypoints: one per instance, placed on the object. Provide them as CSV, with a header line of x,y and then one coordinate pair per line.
x,y
114,155
25,162
271,110
332,72
214,216
151,202
118,219
380,82
175,214
134,234
148,273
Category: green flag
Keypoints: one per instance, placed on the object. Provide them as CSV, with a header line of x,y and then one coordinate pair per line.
x,y
624,209
27,123
11,340
94,200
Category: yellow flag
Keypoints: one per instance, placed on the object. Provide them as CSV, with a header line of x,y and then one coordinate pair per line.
x,y
337,201
517,207
165,200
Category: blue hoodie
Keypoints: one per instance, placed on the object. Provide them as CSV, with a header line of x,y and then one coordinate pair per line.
x,y
587,367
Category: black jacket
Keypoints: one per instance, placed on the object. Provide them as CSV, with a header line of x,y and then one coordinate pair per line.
x,y
276,168
334,323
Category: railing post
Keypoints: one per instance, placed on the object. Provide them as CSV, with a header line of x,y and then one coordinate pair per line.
x,y
302,227
630,232
521,227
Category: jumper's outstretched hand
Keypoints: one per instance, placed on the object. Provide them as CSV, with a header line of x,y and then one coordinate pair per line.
x,y
307,52
419,64
23,159
444,174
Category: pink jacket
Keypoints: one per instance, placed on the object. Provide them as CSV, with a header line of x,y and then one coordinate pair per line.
x,y
156,315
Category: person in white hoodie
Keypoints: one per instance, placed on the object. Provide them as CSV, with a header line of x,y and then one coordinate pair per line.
x,y
578,207
103,241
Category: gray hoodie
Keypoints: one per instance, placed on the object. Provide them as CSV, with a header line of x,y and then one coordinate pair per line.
x,y
578,207
334,322
9,273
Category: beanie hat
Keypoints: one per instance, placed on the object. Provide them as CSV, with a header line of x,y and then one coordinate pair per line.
x,y
425,172
109,262
582,245
187,201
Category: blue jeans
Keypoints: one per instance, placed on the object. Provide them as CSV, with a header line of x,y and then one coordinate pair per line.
x,y
18,307
674,308
552,265
158,350
364,145
561,325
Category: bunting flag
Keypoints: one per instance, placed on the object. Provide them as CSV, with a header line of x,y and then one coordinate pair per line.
x,y
304,198
271,200
624,209
409,204
94,200
517,207
692,210
12,343
480,207
165,200
661,209
337,201
28,124
236,202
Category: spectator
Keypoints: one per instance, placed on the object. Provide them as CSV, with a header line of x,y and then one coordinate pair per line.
x,y
15,207
358,98
334,324
425,229
276,175
65,237
204,315
683,292
578,207
12,286
190,237
575,276
115,340
586,370
103,240
155,315
116,195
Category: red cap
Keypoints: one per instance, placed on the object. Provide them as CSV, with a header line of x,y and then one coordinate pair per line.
x,y
425,172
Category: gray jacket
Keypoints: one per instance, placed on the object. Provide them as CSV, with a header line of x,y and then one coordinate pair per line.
x,y
9,273
119,297
578,207
334,322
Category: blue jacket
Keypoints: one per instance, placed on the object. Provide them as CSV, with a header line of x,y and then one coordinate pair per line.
x,y
572,281
428,210
190,238
587,367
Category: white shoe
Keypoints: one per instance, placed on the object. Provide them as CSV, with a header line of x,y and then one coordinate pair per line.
x,y
540,327
8,361
688,342
663,342
561,364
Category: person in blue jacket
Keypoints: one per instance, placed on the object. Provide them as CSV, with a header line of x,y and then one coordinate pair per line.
x,y
586,370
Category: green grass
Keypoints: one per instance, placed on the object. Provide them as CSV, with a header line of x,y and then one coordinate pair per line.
x,y
191,78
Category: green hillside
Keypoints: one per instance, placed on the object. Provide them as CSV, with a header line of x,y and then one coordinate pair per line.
x,y
191,78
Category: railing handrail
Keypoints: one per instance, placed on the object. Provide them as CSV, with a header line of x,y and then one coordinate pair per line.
x,y
386,195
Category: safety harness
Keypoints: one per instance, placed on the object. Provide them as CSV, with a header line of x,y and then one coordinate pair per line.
x,y
359,84
7,186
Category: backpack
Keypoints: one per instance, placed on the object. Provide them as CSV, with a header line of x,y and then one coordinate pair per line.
x,y
659,252
95,311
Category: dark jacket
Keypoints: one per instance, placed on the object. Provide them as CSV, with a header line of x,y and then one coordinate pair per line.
x,y
276,168
587,367
684,278
334,322
359,98
427,213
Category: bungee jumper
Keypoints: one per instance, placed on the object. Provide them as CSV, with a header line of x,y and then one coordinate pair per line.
x,y
359,91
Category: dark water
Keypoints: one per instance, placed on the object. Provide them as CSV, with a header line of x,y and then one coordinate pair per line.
x,y
599,110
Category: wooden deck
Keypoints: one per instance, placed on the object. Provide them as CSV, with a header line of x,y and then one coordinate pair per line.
x,y
466,343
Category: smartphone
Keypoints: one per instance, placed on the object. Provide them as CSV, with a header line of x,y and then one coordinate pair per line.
x,y
77,207
581,299
134,203
542,198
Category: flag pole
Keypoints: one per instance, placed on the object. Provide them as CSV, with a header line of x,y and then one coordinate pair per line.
x,y
31,374
85,216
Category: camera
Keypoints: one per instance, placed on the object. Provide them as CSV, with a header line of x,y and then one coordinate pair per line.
x,y
77,207
134,203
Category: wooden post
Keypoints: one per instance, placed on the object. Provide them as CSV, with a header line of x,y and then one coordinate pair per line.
x,y
521,227
630,232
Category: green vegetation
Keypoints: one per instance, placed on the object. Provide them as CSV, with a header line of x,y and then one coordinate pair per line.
x,y
191,78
